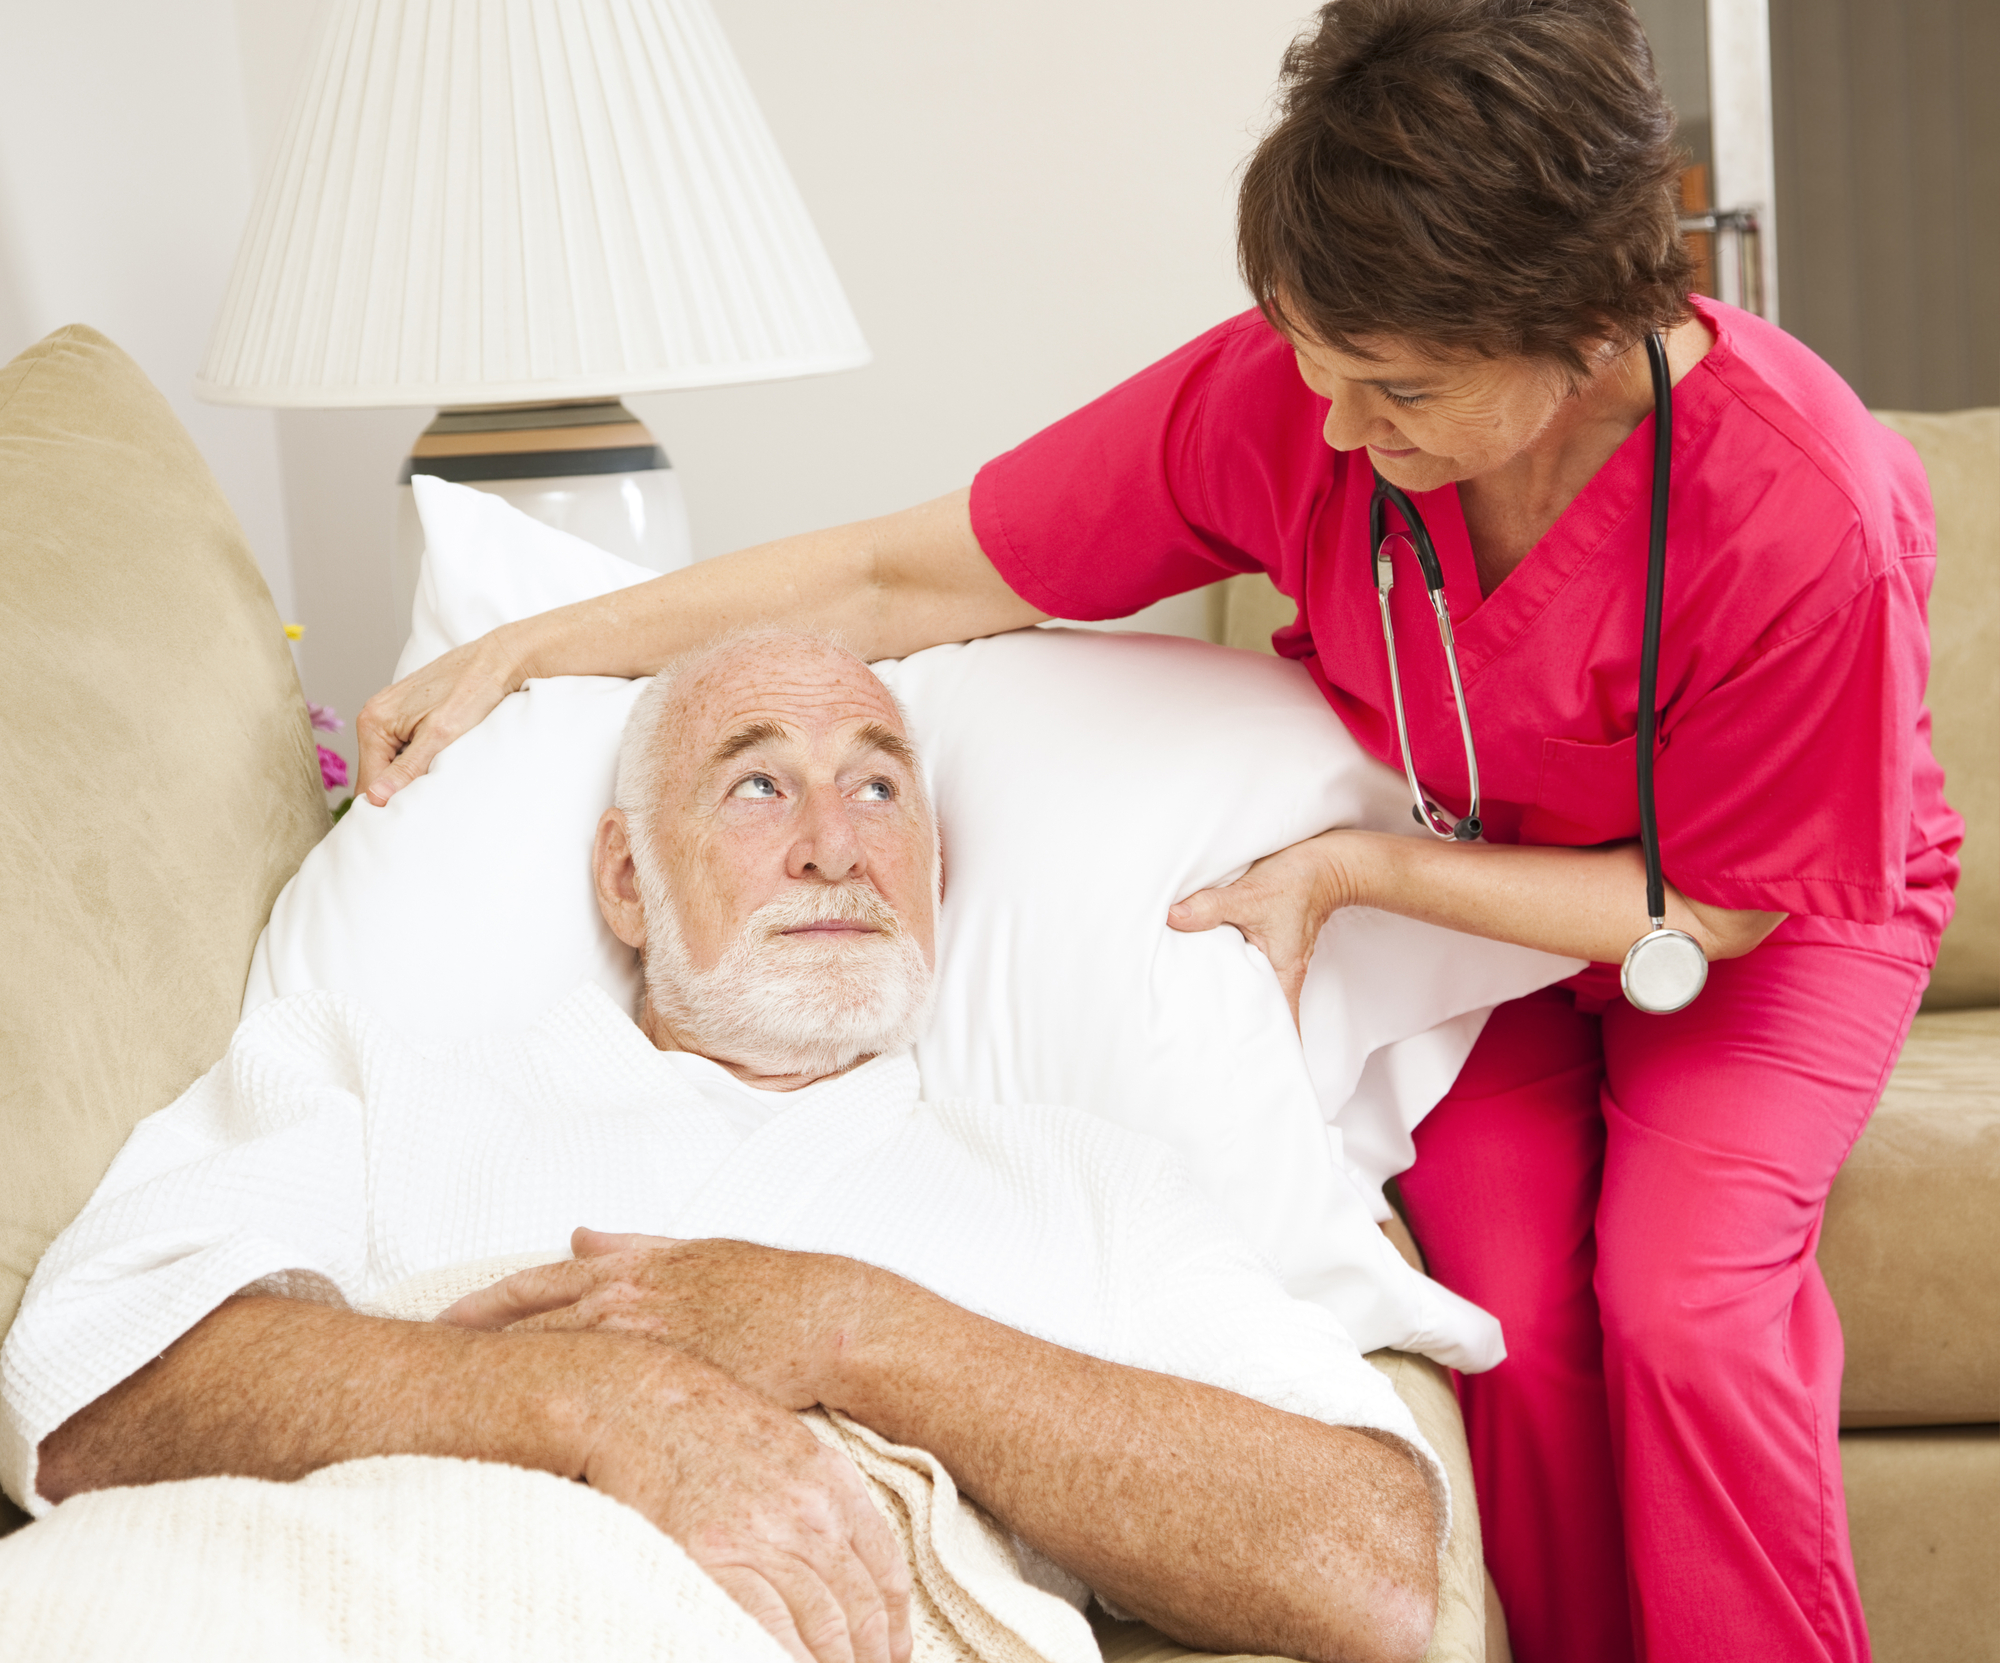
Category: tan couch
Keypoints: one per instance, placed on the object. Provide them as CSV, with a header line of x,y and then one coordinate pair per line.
x,y
162,788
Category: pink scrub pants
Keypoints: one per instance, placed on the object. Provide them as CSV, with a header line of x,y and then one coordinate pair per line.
x,y
1638,1199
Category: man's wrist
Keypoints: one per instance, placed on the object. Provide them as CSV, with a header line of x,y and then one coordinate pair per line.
x,y
591,1383
873,1333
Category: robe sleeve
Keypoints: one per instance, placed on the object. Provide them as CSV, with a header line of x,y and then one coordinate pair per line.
x,y
1203,1305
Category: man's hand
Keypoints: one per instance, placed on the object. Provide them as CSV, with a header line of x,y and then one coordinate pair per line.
x,y
778,1520
775,1321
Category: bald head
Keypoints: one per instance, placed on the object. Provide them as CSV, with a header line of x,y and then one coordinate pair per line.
x,y
773,856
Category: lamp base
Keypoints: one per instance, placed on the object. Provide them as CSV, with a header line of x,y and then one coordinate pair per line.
x,y
590,468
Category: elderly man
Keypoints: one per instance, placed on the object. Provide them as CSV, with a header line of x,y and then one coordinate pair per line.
x,y
1034,1297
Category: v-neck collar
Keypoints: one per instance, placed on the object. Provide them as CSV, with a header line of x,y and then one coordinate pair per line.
x,y
1487,628
776,1172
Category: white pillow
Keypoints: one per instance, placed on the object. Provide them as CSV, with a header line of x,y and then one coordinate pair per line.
x,y
486,564
1084,781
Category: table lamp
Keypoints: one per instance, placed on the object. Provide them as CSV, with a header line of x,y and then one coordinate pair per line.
x,y
516,211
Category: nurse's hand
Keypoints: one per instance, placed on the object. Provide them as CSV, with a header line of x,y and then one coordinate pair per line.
x,y
403,727
1282,903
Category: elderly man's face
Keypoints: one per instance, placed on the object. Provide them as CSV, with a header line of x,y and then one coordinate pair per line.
x,y
795,866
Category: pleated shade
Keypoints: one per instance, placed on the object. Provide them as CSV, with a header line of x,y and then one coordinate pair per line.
x,y
499,201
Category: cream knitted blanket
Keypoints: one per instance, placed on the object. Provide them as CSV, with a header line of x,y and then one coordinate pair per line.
x,y
412,1556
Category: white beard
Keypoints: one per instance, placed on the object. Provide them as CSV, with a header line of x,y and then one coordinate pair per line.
x,y
781,1004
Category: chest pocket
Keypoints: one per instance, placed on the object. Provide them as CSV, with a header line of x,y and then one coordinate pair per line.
x,y
1588,794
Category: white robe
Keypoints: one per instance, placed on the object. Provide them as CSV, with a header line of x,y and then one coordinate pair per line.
x,y
326,1158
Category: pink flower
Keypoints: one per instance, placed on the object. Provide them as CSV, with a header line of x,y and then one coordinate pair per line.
x,y
332,768
324,717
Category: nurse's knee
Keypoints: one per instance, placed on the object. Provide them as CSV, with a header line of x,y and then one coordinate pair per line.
x,y
1673,1324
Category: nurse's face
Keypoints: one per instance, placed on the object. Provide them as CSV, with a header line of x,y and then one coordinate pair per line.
x,y
1426,423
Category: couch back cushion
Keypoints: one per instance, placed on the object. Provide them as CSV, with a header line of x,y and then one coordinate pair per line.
x,y
1961,454
161,782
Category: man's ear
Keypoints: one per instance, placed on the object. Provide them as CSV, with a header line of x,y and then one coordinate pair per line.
x,y
617,882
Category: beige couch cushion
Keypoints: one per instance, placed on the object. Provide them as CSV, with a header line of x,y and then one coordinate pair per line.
x,y
1961,453
1912,1235
161,781
1920,1507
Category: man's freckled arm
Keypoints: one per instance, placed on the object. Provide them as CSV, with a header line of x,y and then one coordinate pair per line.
x,y
274,1388
1223,1522
277,1388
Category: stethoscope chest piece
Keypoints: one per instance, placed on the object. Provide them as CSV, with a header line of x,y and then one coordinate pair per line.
x,y
1663,971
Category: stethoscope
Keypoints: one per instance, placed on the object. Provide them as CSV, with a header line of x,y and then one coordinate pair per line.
x,y
1664,969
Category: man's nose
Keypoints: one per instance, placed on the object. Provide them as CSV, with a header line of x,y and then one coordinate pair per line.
x,y
828,845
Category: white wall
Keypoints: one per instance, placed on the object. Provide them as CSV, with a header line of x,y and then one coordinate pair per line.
x,y
1026,203
125,177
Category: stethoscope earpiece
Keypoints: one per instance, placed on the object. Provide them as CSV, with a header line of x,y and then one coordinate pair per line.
x,y
1664,969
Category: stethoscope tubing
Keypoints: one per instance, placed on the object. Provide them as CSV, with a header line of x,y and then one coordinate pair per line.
x,y
1427,812
1664,969
1649,648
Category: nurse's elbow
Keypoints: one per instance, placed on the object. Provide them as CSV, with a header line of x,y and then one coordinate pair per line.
x,y
1725,933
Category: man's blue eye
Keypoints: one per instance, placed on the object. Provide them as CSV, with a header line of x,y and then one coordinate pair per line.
x,y
759,787
878,791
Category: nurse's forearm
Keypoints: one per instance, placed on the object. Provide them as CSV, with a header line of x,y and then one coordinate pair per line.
x,y
1583,903
885,587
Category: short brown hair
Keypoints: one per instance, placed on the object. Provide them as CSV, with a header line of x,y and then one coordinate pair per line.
x,y
1486,176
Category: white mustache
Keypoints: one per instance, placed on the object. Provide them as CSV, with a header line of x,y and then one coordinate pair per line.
x,y
809,904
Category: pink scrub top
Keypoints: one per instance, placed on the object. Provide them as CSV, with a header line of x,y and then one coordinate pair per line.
x,y
1795,771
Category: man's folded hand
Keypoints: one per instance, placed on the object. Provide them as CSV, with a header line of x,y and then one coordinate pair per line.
x,y
775,1321
779,1520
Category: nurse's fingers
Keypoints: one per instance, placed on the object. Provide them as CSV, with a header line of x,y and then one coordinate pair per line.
x,y
1203,910
1278,921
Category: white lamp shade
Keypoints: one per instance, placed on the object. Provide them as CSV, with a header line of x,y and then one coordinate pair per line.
x,y
499,201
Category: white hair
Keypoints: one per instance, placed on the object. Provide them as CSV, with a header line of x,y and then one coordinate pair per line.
x,y
775,1002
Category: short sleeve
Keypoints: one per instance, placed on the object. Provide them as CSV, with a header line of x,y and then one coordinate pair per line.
x,y
1788,787
1160,486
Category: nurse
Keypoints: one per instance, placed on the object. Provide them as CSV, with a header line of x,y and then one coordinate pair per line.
x,y
1460,233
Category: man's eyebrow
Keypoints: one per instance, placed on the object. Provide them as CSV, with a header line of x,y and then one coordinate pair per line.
x,y
877,736
745,739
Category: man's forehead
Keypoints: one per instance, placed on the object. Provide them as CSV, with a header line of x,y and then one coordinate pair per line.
x,y
786,697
